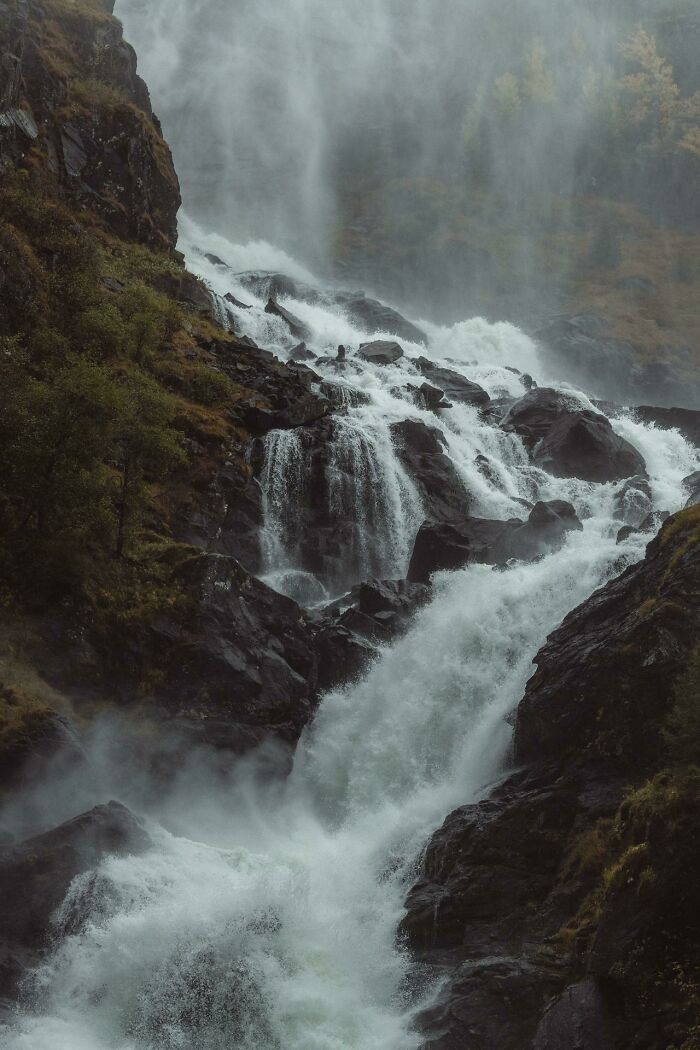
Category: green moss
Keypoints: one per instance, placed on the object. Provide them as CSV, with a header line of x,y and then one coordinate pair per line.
x,y
22,719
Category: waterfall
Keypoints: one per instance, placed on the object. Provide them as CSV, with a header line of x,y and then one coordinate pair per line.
x,y
361,495
264,915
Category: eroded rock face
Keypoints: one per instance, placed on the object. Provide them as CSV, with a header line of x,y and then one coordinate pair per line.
x,y
637,631
35,876
242,666
111,156
454,544
421,449
569,441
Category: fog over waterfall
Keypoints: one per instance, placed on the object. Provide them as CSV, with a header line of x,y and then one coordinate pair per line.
x,y
349,134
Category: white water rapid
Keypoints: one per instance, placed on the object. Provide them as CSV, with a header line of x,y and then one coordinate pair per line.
x,y
266,917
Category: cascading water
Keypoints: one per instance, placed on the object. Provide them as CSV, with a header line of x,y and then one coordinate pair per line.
x,y
267,920
265,917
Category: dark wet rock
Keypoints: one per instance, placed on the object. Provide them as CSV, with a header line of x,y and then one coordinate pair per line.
x,y
342,655
343,396
633,502
243,658
369,314
569,441
231,298
483,910
374,316
272,285
301,352
637,631
652,523
533,416
545,530
685,420
284,395
36,874
691,487
453,384
578,1020
421,449
380,352
297,328
375,611
584,445
451,545
432,397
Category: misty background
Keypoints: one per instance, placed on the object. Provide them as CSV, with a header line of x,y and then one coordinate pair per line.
x,y
457,155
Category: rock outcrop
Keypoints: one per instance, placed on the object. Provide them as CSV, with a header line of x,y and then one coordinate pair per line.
x,y
36,874
569,441
380,352
421,449
102,142
454,544
454,385
556,910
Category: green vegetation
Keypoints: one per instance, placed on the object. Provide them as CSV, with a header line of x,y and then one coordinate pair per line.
x,y
91,400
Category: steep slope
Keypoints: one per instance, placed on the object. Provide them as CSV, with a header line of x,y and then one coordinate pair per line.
x,y
563,910
126,415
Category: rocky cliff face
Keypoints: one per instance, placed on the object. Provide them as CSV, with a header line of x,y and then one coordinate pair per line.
x,y
73,107
93,291
562,910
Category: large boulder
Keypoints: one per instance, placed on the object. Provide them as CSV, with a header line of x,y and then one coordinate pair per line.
x,y
297,328
380,352
349,630
569,441
36,874
454,385
584,445
453,544
374,316
421,449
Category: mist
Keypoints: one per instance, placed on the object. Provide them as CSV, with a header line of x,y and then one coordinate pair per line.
x,y
433,150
